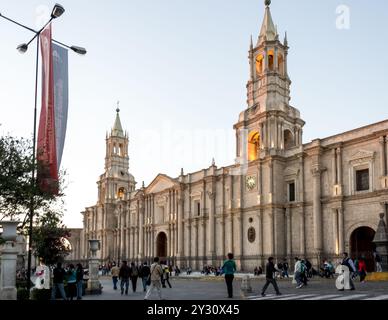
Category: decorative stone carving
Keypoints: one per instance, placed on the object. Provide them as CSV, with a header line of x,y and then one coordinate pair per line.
x,y
251,234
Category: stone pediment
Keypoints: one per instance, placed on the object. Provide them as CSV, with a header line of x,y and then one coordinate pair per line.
x,y
291,172
362,154
160,183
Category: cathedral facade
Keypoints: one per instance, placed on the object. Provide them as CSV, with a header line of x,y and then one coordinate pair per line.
x,y
281,198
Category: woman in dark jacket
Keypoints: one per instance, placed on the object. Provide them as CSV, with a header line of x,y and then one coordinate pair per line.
x,y
80,280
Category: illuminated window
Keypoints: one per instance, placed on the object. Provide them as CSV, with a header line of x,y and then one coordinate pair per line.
x,y
259,64
253,145
271,62
121,193
281,64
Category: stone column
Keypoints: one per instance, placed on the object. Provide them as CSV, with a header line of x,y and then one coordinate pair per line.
x,y
8,258
261,244
131,243
203,239
230,232
169,241
141,231
180,225
195,225
341,231
317,210
136,253
335,231
289,232
302,233
276,132
382,156
94,286
122,243
211,230
386,160
188,242
223,206
275,59
339,166
334,165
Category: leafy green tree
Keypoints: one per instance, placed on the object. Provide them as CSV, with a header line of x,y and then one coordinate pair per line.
x,y
50,238
19,193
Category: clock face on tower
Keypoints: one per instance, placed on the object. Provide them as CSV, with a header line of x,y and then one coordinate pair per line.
x,y
251,182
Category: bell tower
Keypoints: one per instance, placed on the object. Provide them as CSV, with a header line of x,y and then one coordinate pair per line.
x,y
270,125
116,182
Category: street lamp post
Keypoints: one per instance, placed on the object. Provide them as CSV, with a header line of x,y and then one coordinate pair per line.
x,y
57,11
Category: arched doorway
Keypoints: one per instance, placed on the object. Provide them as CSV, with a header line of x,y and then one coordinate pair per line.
x,y
161,245
361,245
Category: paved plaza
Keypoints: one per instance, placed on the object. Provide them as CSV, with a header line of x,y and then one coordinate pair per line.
x,y
208,288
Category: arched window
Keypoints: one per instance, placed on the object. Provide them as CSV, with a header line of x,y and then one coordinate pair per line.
x,y
271,62
253,145
259,64
121,193
281,64
289,140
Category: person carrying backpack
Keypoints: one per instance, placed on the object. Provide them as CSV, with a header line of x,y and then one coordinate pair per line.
x,y
134,275
346,261
144,274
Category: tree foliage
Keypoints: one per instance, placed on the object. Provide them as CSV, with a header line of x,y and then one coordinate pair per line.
x,y
19,193
50,238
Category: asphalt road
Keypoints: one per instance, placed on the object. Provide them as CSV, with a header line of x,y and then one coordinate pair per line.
x,y
215,289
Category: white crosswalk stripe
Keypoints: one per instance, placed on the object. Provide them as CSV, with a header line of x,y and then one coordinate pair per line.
x,y
298,297
324,297
317,296
271,296
351,297
383,297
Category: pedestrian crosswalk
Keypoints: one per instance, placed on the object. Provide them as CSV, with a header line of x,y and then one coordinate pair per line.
x,y
318,296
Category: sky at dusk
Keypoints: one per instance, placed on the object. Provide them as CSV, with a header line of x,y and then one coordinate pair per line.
x,y
179,69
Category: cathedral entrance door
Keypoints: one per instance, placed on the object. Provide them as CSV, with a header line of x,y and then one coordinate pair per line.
x,y
361,245
161,245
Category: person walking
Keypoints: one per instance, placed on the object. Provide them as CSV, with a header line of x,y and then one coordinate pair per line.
x,y
144,274
124,275
229,268
285,268
269,275
166,276
362,269
134,275
115,275
156,274
378,262
346,261
298,273
80,280
59,277
71,281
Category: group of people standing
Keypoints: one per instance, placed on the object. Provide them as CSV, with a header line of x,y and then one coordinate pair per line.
x,y
153,277
74,279
302,270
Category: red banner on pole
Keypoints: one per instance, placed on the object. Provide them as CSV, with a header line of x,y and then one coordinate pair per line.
x,y
47,173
